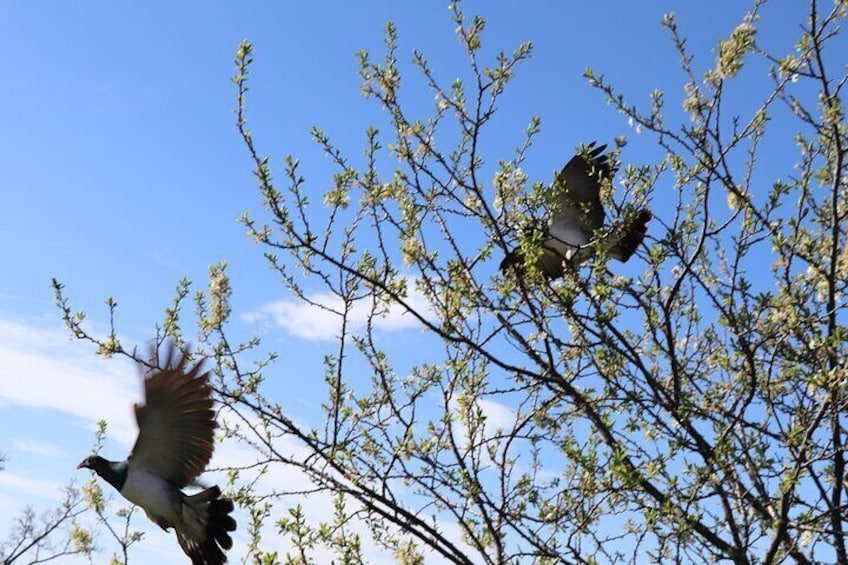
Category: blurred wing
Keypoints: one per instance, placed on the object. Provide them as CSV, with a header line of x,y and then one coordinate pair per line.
x,y
578,209
176,424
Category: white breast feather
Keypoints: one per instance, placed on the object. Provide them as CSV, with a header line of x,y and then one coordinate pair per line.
x,y
566,233
151,493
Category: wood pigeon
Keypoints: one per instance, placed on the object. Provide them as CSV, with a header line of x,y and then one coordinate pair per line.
x,y
577,218
174,445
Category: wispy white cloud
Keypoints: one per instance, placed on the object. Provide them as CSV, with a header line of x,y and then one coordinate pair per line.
x,y
498,416
36,448
29,486
322,319
44,369
499,419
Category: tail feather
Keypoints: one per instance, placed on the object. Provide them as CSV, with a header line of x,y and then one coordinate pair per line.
x,y
220,522
205,532
629,236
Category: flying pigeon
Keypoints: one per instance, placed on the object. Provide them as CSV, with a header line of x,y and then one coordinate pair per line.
x,y
174,445
577,218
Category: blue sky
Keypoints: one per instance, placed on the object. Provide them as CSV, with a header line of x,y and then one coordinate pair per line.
x,y
121,170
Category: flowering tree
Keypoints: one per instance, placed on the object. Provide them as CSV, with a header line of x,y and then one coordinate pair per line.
x,y
690,412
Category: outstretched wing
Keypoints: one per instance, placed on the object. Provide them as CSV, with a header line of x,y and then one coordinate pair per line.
x,y
176,424
577,208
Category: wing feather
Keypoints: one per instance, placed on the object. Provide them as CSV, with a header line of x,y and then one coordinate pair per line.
x,y
176,424
577,193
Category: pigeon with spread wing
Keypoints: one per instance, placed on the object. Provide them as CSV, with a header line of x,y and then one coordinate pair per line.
x,y
576,219
175,442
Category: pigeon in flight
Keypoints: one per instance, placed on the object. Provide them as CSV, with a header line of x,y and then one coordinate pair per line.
x,y
175,442
577,218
